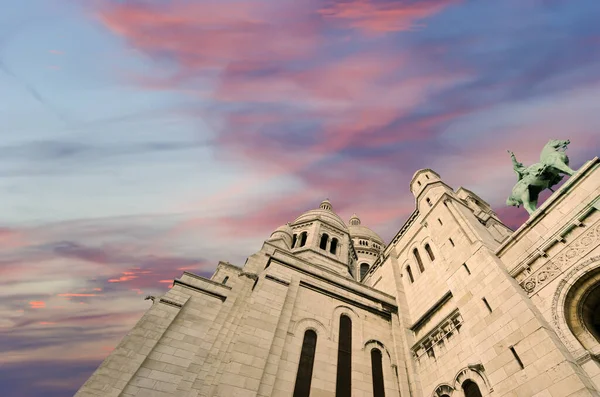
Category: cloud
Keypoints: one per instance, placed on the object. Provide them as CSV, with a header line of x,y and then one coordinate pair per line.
x,y
380,16
56,52
17,380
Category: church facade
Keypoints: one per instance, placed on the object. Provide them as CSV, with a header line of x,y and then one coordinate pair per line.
x,y
456,305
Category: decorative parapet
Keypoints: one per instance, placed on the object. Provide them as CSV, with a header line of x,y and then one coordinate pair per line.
x,y
439,335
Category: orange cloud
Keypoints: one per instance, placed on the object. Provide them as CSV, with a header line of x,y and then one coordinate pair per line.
x,y
37,304
76,295
383,16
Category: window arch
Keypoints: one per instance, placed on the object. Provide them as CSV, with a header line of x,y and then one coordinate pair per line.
x,y
225,280
294,239
306,364
364,268
410,275
377,370
324,239
343,387
334,244
303,237
471,389
429,252
418,259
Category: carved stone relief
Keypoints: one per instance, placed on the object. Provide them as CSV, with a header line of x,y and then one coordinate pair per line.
x,y
561,262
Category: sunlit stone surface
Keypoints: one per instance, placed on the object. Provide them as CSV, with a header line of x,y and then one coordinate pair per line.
x,y
456,304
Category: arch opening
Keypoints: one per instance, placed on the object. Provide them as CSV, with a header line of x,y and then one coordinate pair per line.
x,y
582,310
418,259
344,364
333,247
323,243
306,364
364,268
410,275
377,372
471,389
303,238
429,252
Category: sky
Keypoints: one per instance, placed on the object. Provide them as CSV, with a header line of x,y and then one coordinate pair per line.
x,y
141,139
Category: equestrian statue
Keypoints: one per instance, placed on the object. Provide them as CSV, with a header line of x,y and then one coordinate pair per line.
x,y
532,180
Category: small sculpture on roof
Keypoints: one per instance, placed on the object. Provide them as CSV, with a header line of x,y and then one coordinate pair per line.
x,y
532,180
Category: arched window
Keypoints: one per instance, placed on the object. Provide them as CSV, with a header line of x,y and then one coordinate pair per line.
x,y
429,252
377,370
323,243
364,268
471,389
429,201
418,259
225,280
303,238
294,238
334,243
305,367
410,276
343,387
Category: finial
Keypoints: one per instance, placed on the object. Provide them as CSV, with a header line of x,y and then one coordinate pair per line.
x,y
326,205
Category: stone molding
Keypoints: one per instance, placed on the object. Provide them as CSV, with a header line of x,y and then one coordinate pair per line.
x,y
566,258
442,332
474,372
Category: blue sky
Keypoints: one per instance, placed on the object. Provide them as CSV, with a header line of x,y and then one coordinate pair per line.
x,y
144,138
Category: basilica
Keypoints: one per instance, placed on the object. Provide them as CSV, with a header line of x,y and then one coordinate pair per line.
x,y
455,305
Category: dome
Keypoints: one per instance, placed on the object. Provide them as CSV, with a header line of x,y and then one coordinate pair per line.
x,y
357,230
284,229
324,213
284,232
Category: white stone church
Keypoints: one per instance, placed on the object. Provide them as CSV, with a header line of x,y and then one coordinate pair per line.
x,y
456,305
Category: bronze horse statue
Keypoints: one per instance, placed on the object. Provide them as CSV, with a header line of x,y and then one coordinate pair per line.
x,y
538,177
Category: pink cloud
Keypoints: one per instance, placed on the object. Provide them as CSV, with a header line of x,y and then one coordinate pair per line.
x,y
383,16
211,35
56,52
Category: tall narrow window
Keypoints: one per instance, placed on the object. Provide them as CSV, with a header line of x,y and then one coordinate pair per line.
x,y
225,280
410,276
364,268
305,367
466,268
303,238
451,242
440,221
334,243
343,387
429,252
294,238
418,259
323,244
429,201
377,368
487,304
